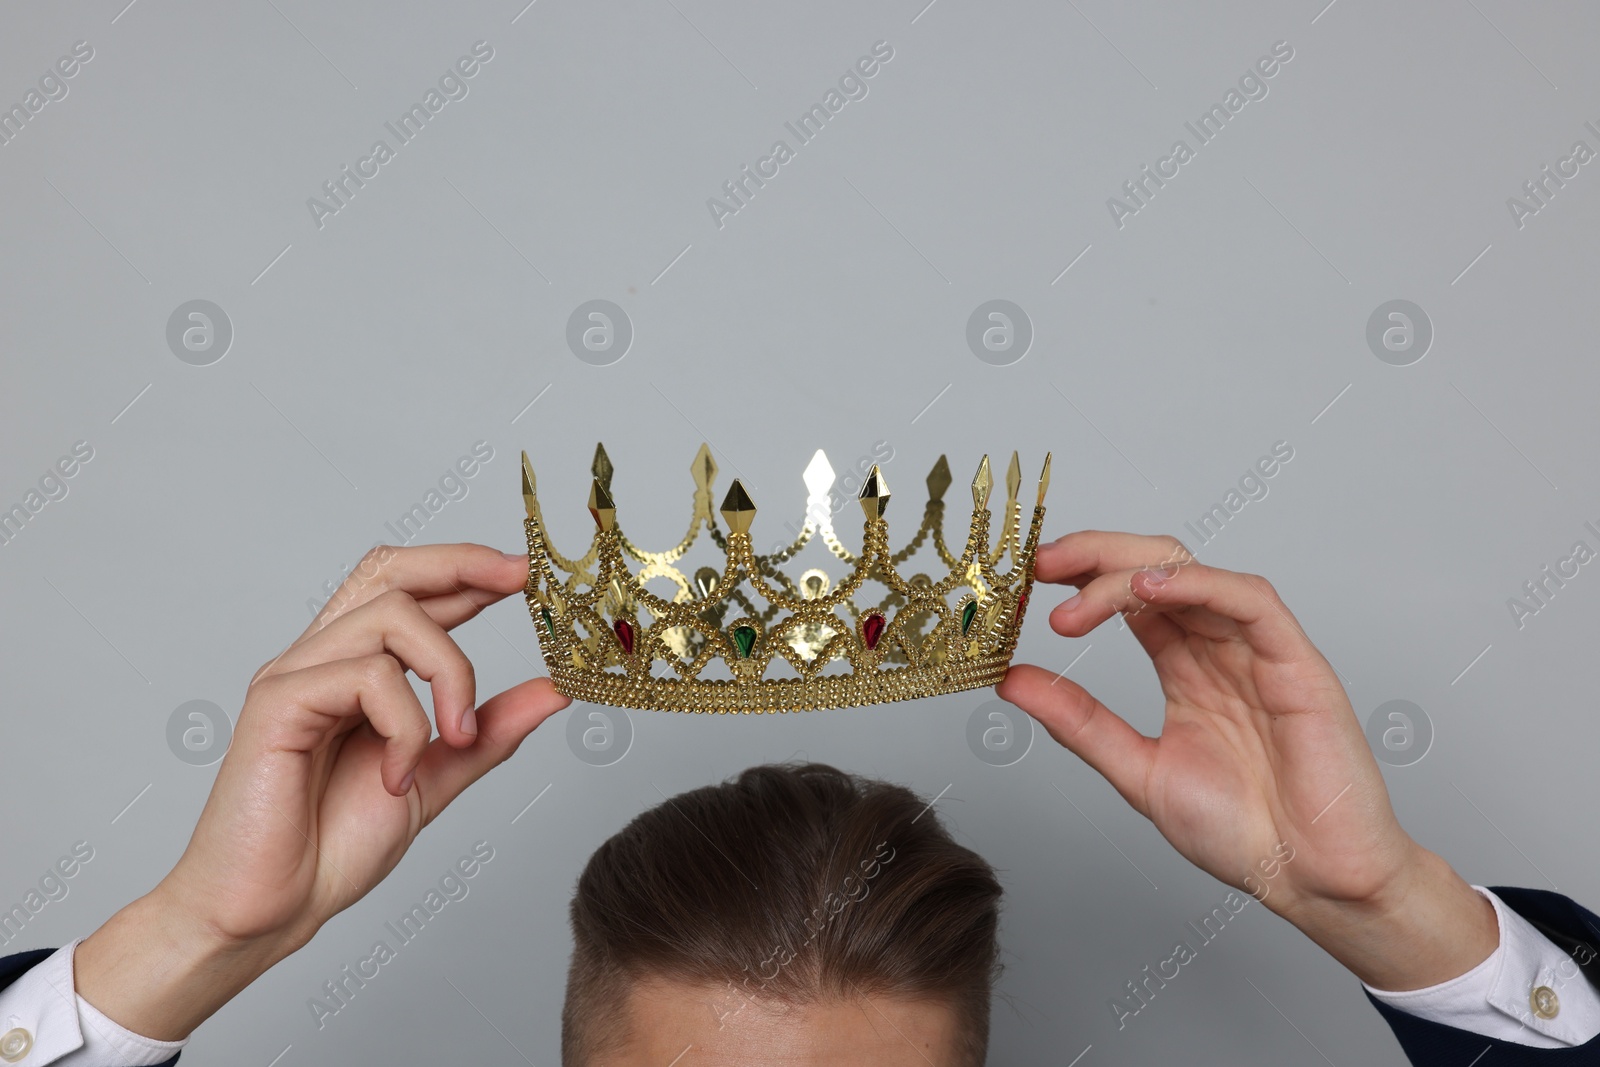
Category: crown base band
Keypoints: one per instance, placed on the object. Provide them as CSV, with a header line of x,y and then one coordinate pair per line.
x,y
775,695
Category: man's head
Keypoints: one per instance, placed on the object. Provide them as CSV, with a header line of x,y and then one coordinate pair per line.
x,y
794,915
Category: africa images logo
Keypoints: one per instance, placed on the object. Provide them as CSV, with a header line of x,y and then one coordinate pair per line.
x,y
342,188
1140,190
741,188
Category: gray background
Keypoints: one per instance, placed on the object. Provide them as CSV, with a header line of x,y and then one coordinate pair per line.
x,y
1228,314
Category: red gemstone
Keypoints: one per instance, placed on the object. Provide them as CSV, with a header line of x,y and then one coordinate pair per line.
x,y
872,628
1022,601
624,630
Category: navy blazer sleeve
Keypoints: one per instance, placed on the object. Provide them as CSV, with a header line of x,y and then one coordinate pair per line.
x,y
14,967
1573,928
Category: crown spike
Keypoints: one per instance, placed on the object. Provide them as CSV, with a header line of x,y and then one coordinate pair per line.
x,y
704,468
1013,477
939,479
874,494
1044,479
601,467
601,506
737,508
529,483
982,483
819,476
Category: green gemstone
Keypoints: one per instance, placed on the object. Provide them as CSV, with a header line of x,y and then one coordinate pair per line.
x,y
968,613
744,638
549,623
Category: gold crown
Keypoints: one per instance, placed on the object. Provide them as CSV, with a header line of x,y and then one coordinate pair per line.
x,y
812,645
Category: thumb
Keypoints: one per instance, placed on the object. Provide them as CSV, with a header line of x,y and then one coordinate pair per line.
x,y
1079,722
504,720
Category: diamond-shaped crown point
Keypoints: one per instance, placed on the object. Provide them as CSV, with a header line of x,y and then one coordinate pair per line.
x,y
982,482
819,475
704,467
1044,479
738,509
939,479
601,506
875,494
601,467
529,485
1014,476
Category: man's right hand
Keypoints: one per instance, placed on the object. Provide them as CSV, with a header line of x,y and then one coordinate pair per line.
x,y
1260,752
330,777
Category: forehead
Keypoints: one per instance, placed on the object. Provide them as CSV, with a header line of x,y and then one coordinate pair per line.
x,y
707,1026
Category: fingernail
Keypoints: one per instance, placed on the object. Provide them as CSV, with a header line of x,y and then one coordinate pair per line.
x,y
1071,602
469,722
405,783
515,557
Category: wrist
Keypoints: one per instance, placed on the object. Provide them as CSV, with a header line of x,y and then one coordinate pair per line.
x,y
159,969
1423,926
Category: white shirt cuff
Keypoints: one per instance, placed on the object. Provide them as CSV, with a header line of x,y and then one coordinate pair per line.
x,y
1496,998
66,1030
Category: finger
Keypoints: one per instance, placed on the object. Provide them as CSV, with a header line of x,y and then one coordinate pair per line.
x,y
452,609
449,610
1105,596
425,572
1086,727
395,623
1112,595
1248,600
1214,603
1087,554
305,708
503,721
